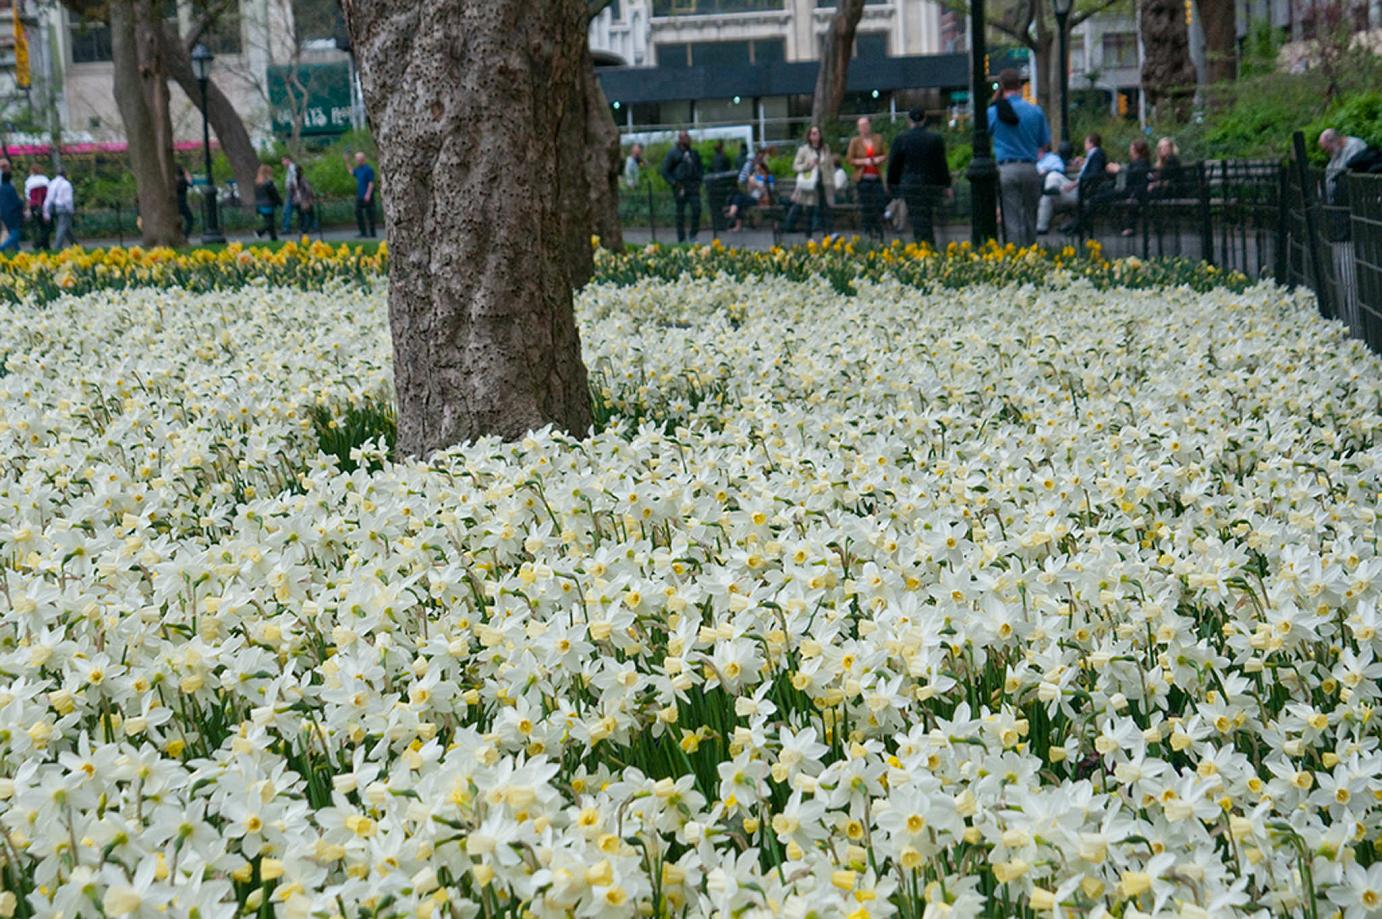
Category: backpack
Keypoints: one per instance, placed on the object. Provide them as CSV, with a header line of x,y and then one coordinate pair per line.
x,y
37,197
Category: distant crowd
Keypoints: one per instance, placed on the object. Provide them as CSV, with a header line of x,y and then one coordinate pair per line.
x,y
46,207
1037,181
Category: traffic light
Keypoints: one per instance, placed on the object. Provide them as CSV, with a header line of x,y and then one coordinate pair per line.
x,y
1122,105
1189,13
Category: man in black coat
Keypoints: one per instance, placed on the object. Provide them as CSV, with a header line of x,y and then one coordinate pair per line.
x,y
919,174
682,169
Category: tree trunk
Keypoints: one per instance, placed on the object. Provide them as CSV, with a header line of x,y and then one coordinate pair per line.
x,y
833,76
603,167
141,94
1168,75
1220,40
220,112
480,114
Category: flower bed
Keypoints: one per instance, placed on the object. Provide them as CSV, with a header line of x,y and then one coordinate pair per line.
x,y
971,602
29,277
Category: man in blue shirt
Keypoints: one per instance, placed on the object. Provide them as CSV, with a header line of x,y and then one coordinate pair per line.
x,y
1019,132
364,194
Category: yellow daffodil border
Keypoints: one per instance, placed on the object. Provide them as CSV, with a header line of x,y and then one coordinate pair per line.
x,y
843,261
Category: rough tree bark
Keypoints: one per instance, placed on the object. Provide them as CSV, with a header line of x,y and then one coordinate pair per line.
x,y
141,94
1218,17
603,168
1168,75
220,112
833,76
480,113
605,162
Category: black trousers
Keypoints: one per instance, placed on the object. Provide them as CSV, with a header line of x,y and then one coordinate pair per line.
x,y
364,216
871,205
921,207
688,200
42,230
187,219
270,224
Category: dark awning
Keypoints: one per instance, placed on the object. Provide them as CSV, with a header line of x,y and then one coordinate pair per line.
x,y
632,85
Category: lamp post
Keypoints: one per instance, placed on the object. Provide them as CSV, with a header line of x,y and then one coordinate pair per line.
x,y
1062,8
201,69
983,171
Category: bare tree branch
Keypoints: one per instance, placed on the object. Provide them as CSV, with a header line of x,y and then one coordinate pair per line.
x,y
210,13
1094,10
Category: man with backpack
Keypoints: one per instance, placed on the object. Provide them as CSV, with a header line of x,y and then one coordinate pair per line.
x,y
682,169
35,193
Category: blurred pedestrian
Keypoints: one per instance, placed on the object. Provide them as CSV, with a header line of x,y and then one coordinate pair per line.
x,y
292,174
11,210
683,171
266,201
35,193
184,185
633,166
365,188
814,191
867,153
719,161
59,207
919,174
1019,132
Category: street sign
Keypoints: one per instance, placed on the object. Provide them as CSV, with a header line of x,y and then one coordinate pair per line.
x,y
317,95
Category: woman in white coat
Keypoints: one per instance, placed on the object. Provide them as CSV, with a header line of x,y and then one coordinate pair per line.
x,y
815,188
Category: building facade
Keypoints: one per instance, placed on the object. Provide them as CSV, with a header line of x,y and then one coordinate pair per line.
x,y
276,60
689,62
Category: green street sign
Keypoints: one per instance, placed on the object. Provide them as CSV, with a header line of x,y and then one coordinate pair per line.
x,y
960,95
318,94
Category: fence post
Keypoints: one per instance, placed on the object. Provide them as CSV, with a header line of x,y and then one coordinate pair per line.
x,y
652,222
1206,225
1283,236
1312,236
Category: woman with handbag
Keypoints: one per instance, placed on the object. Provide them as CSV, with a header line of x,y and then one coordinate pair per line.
x,y
815,188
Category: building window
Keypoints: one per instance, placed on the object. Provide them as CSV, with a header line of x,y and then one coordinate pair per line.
x,y
674,54
871,46
722,53
314,20
704,7
90,41
1120,50
820,4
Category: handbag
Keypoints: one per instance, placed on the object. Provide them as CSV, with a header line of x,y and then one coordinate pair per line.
x,y
809,179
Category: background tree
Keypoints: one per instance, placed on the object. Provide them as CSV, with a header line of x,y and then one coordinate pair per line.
x,y
1032,25
221,114
147,51
1168,74
479,109
141,95
604,164
833,76
1219,20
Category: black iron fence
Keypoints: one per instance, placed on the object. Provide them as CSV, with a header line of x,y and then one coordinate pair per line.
x,y
1283,221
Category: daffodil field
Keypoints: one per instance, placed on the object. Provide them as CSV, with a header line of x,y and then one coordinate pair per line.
x,y
889,584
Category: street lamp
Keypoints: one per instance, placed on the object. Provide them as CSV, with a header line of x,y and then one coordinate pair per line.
x,y
983,171
201,69
1062,8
